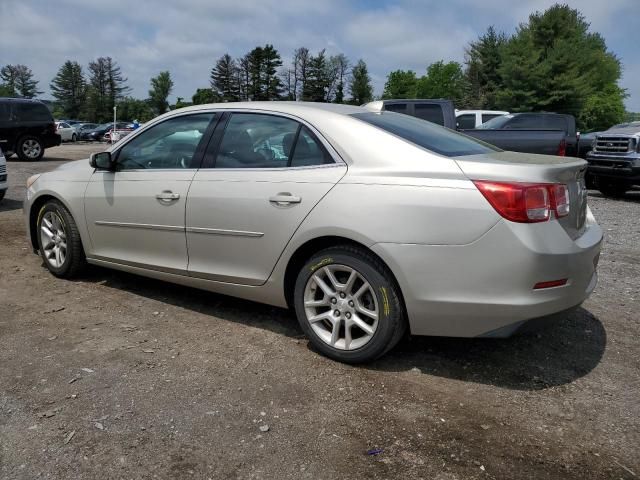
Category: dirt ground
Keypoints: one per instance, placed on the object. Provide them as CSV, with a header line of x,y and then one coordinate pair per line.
x,y
117,376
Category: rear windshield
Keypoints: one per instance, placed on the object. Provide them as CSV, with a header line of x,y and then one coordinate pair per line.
x,y
425,134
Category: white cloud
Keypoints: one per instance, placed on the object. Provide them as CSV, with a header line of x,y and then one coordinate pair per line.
x,y
186,37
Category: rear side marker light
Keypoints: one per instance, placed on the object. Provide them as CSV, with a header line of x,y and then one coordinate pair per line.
x,y
550,284
526,202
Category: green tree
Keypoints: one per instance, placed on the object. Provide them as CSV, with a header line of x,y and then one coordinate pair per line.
x,y
400,84
483,61
555,63
271,62
340,65
204,95
360,84
161,87
69,89
224,79
180,103
18,79
318,80
105,88
601,110
443,80
130,109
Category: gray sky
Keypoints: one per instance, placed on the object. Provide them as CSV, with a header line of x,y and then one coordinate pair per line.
x,y
187,36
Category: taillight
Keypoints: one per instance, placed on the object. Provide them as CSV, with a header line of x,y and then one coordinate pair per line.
x,y
526,202
560,199
562,148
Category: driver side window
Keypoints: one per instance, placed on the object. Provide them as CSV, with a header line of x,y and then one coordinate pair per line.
x,y
168,145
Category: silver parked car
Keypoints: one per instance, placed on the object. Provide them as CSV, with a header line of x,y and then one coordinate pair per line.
x,y
365,223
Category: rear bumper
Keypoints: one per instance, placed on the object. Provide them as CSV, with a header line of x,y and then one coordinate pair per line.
x,y
620,167
486,288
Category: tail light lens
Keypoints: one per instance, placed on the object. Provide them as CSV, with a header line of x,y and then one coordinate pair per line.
x,y
526,202
560,196
562,148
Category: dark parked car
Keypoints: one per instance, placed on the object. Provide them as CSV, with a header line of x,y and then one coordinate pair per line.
x,y
545,133
26,128
98,133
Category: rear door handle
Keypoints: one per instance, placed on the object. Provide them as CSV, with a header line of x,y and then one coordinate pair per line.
x,y
284,198
167,196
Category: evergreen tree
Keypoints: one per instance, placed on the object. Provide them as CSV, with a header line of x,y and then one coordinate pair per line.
x,y
106,87
400,84
553,63
69,89
271,61
224,79
483,60
18,79
161,87
360,84
255,87
318,81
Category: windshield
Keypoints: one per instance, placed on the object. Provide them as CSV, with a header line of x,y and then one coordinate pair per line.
x,y
495,123
426,134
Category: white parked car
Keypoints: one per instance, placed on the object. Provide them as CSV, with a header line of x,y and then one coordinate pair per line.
x,y
3,176
469,119
67,132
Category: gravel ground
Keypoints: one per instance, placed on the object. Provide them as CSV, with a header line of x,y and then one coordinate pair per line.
x,y
117,376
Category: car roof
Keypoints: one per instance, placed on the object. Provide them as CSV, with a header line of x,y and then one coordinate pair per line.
x,y
20,100
277,106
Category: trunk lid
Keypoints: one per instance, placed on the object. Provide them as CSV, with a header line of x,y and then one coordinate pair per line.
x,y
532,168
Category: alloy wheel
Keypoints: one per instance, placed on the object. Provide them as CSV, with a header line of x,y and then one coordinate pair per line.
x,y
54,239
31,148
341,307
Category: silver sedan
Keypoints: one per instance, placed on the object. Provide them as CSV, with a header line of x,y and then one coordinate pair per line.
x,y
368,224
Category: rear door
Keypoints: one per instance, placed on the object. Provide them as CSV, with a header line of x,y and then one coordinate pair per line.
x,y
263,174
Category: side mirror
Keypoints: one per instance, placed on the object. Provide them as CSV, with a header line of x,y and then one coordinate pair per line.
x,y
101,161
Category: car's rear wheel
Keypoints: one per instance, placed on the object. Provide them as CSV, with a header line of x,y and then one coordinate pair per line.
x,y
30,148
613,189
348,305
59,241
74,137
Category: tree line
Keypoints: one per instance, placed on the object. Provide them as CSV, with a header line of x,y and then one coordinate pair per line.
x,y
552,62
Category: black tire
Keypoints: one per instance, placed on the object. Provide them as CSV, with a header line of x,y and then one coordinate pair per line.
x,y
2,193
74,138
20,148
613,189
392,323
75,261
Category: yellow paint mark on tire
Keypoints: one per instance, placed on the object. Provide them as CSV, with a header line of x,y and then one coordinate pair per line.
x,y
386,309
321,263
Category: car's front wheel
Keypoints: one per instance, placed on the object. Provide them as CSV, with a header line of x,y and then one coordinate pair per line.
x,y
74,137
30,148
59,241
348,305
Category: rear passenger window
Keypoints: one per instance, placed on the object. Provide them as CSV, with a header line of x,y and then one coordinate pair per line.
x,y
524,122
466,121
554,122
32,112
396,107
489,116
254,140
429,112
308,151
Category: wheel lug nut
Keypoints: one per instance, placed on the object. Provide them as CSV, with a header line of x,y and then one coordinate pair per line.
x,y
334,300
348,315
351,304
336,313
342,295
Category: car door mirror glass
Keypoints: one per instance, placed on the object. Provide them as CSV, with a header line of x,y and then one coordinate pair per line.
x,y
101,161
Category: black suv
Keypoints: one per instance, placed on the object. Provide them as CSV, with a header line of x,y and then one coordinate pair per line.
x,y
26,128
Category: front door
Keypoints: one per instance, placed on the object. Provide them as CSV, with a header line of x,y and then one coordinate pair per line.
x,y
136,214
269,172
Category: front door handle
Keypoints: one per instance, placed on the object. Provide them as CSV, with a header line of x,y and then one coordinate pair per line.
x,y
285,198
167,196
